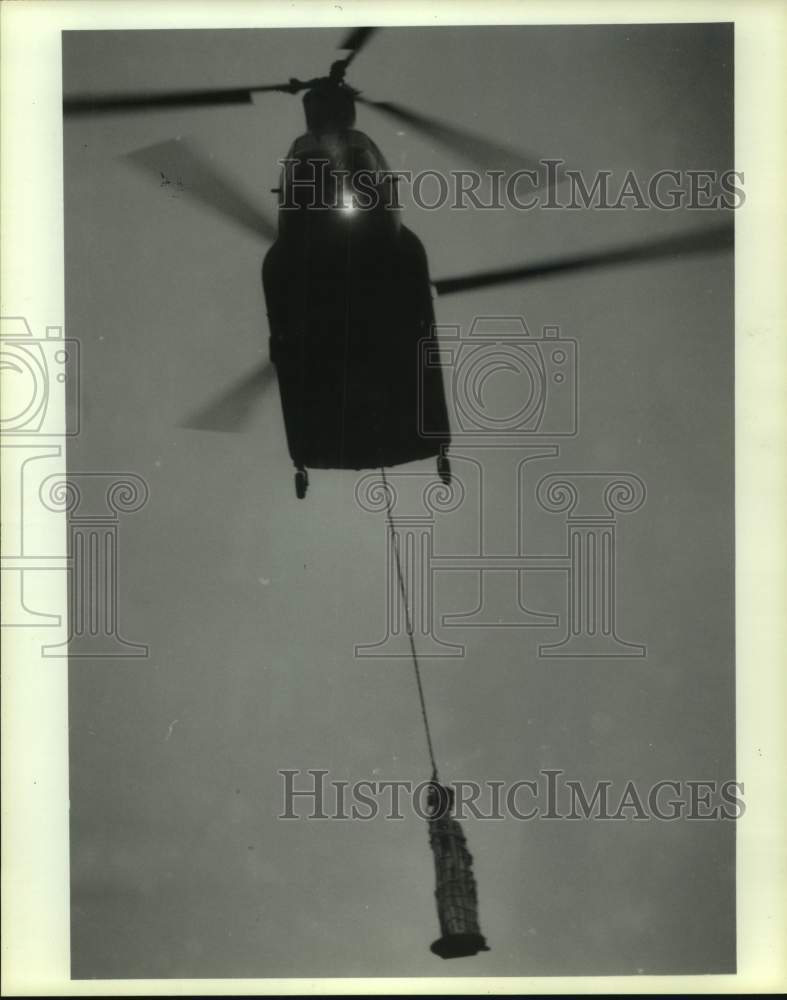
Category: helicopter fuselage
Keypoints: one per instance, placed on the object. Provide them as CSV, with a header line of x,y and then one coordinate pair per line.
x,y
350,313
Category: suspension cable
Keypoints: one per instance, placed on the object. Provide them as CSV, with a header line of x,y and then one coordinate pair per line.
x,y
408,623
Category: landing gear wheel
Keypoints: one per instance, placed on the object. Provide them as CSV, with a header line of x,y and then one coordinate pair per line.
x,y
301,483
444,469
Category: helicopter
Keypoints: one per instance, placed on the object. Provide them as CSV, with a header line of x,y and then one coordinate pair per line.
x,y
347,287
337,378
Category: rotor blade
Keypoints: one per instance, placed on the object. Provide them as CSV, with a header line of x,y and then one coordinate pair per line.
x,y
356,40
232,410
104,103
484,153
704,241
174,163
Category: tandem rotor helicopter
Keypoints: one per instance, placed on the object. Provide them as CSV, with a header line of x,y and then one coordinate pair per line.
x,y
351,321
347,289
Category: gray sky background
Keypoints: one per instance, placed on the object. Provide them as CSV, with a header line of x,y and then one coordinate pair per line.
x,y
179,866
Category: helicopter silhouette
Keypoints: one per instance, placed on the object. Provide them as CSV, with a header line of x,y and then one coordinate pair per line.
x,y
347,286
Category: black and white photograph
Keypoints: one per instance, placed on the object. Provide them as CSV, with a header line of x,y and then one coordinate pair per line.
x,y
390,425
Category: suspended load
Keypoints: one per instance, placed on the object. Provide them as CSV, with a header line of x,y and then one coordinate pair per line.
x,y
457,899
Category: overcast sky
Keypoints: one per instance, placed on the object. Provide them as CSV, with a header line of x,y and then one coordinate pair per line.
x,y
252,601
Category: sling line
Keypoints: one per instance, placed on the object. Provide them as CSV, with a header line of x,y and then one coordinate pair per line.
x,y
408,623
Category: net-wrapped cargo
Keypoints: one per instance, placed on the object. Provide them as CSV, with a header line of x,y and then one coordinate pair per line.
x,y
457,898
